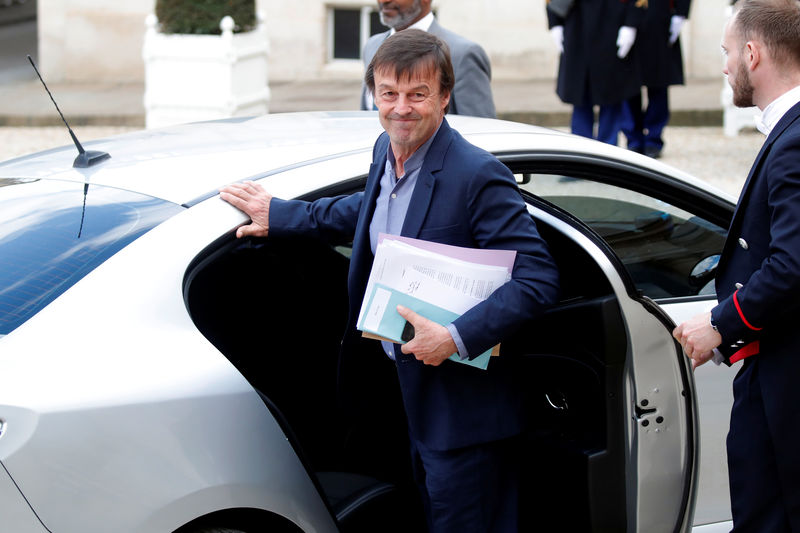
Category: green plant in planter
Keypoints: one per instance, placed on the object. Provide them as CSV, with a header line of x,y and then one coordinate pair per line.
x,y
203,16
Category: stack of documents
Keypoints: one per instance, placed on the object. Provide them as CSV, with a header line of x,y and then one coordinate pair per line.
x,y
437,281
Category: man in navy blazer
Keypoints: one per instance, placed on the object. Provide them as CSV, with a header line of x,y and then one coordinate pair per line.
x,y
758,278
472,93
427,182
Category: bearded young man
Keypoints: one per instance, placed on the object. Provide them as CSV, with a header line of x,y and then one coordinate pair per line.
x,y
472,92
758,278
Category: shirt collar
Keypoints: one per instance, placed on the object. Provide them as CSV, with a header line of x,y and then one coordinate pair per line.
x,y
415,161
776,109
422,24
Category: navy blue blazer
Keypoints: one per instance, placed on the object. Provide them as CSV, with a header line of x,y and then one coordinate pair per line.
x,y
758,278
465,197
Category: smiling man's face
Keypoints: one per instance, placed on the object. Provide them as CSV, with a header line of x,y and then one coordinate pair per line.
x,y
410,108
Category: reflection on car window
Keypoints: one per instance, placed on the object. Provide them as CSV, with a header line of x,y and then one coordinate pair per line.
x,y
54,233
660,244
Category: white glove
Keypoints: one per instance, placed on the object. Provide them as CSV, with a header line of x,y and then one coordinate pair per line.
x,y
557,34
675,26
625,39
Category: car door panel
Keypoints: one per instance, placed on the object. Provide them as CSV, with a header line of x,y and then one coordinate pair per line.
x,y
651,425
666,233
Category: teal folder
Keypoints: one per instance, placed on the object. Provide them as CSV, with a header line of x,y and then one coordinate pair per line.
x,y
382,318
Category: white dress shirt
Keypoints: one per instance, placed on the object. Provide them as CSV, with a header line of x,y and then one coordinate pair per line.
x,y
776,109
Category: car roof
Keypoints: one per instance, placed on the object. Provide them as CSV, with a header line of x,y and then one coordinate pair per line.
x,y
186,162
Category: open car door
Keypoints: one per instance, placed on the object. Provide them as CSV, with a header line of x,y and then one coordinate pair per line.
x,y
613,437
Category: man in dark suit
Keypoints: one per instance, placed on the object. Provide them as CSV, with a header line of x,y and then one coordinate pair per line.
x,y
427,182
472,93
659,52
758,278
598,65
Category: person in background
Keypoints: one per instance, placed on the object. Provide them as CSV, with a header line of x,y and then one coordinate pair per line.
x,y
472,93
758,276
659,48
598,65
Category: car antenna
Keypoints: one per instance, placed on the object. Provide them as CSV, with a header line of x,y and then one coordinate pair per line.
x,y
85,159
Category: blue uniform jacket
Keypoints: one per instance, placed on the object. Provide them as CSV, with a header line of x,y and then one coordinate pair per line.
x,y
758,279
465,197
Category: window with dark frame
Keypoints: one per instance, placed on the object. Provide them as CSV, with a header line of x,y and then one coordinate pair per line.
x,y
346,33
348,38
375,24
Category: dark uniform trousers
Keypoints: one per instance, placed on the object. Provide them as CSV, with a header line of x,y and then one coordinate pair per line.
x,y
643,128
609,122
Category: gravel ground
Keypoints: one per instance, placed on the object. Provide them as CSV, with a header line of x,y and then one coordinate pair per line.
x,y
703,152
711,156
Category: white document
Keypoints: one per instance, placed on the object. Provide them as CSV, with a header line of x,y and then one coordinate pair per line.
x,y
473,279
444,281
430,290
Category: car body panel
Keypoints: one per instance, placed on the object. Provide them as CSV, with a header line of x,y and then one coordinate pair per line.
x,y
714,400
719,527
16,510
145,398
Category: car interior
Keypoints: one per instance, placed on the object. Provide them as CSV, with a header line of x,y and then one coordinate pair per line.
x,y
347,424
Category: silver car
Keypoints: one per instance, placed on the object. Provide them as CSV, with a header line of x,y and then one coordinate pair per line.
x,y
159,375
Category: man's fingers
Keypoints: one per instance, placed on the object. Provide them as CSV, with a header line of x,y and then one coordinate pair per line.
x,y
251,230
253,200
409,315
240,193
232,199
701,360
244,231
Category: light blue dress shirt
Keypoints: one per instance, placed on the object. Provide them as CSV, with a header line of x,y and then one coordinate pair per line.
x,y
390,213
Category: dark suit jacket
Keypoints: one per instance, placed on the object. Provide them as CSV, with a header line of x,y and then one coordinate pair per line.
x,y
661,63
589,71
762,256
465,197
472,94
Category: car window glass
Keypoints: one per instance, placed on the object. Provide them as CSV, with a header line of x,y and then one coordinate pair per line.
x,y
667,250
54,233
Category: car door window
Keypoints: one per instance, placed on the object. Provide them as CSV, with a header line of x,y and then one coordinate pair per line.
x,y
669,252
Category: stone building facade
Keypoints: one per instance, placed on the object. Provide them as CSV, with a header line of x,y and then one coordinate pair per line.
x,y
87,40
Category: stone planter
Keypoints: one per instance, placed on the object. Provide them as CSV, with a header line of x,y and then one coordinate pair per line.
x,y
190,78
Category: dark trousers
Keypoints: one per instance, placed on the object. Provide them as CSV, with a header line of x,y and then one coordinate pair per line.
x,y
609,122
762,461
469,490
643,127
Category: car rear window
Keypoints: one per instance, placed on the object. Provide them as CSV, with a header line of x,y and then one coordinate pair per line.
x,y
54,233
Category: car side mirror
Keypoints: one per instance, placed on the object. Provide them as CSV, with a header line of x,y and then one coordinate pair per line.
x,y
704,271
